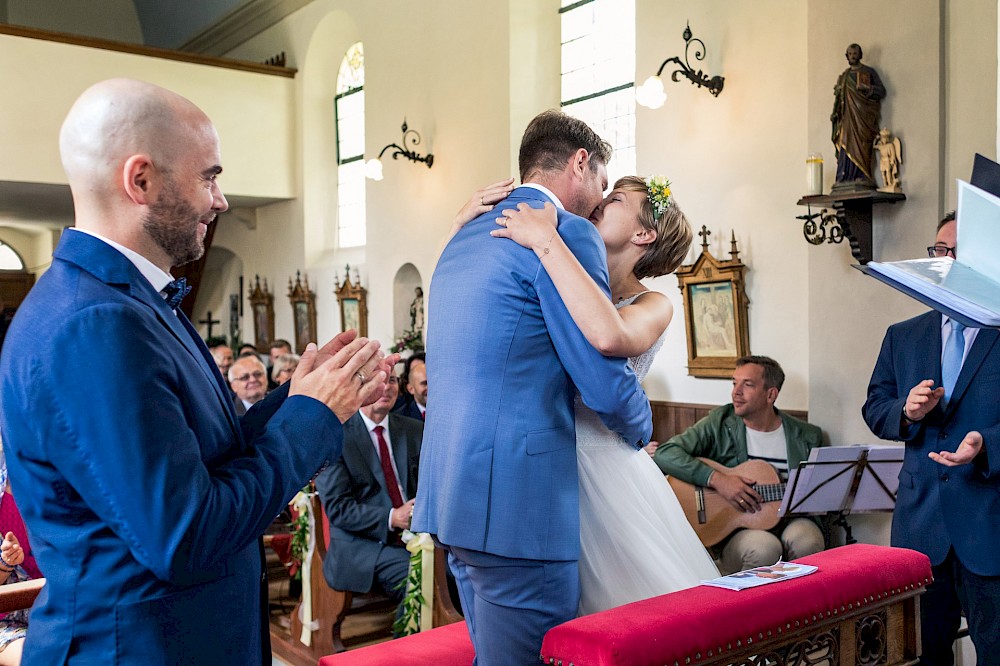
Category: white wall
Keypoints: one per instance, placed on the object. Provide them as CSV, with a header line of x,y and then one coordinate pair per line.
x,y
737,163
424,63
41,80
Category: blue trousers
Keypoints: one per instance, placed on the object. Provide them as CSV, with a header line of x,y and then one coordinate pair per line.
x,y
956,589
510,603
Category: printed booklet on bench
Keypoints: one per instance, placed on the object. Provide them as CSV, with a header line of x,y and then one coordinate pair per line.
x,y
758,576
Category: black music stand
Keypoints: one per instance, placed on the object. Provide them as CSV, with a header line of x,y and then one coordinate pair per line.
x,y
841,480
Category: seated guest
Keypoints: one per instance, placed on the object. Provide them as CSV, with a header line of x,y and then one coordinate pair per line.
x,y
14,625
222,354
283,368
248,377
368,497
749,427
15,566
413,398
246,349
277,348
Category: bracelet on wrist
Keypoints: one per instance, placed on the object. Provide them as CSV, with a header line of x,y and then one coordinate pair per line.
x,y
545,250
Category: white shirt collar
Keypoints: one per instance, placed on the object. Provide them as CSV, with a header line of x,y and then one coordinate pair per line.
x,y
149,270
371,424
547,192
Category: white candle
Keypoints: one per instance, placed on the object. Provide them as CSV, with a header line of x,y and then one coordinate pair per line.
x,y
814,174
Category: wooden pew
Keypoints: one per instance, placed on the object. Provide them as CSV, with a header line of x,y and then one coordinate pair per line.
x,y
331,607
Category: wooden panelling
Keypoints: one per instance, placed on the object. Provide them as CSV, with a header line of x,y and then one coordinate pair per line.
x,y
671,418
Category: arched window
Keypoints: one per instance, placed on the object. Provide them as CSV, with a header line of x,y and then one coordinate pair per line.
x,y
598,72
349,109
9,259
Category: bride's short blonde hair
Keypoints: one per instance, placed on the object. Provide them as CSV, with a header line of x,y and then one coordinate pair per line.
x,y
673,233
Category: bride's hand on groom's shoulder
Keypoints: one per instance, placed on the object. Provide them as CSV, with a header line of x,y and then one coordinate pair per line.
x,y
533,228
482,201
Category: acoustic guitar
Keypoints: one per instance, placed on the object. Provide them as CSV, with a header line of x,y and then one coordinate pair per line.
x,y
713,518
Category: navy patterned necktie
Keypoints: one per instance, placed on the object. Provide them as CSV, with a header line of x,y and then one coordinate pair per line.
x,y
175,292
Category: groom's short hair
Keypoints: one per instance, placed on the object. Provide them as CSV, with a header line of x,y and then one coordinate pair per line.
x,y
550,140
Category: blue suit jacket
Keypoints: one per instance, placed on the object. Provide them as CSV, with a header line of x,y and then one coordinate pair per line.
x,y
498,469
940,507
357,503
142,497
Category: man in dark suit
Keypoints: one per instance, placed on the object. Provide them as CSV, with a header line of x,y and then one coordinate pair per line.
x,y
369,500
143,493
498,474
413,384
248,379
935,388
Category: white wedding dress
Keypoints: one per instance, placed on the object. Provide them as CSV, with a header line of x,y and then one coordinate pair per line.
x,y
635,542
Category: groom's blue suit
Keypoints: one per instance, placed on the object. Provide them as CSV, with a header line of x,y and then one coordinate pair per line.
x,y
143,494
498,470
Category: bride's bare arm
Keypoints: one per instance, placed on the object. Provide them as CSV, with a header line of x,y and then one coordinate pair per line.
x,y
482,201
626,332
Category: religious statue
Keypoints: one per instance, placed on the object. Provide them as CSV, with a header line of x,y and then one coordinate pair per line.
x,y
890,157
856,109
417,311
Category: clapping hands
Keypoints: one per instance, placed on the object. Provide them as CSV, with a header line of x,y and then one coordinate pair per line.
x,y
345,374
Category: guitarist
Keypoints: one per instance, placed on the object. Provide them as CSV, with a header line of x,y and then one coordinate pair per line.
x,y
749,427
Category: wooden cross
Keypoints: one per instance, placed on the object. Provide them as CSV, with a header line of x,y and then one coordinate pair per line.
x,y
208,321
704,233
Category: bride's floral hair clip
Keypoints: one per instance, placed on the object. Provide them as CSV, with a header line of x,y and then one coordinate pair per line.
x,y
658,193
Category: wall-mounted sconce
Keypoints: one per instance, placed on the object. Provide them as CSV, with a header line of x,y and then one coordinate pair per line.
x,y
651,95
373,168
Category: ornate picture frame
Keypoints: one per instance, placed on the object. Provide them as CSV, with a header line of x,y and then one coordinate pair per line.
x,y
262,306
303,302
353,299
715,311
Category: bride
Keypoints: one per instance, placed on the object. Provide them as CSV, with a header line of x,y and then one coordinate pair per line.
x,y
635,541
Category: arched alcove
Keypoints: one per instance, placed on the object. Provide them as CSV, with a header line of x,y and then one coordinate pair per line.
x,y
220,283
404,286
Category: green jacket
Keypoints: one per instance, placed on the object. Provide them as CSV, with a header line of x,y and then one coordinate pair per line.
x,y
721,436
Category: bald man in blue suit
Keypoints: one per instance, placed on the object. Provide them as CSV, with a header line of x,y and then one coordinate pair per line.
x,y
498,470
143,493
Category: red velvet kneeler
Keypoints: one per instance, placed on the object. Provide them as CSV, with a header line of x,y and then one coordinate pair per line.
x,y
449,645
703,623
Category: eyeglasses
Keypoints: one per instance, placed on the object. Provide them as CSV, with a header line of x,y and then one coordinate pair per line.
x,y
940,251
257,374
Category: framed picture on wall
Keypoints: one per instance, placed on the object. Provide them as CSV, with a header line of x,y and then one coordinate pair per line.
x,y
303,302
353,303
262,306
715,311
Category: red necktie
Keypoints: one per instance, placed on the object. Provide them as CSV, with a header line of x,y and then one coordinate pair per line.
x,y
423,415
391,483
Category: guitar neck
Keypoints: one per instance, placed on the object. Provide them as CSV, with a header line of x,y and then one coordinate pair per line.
x,y
771,492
